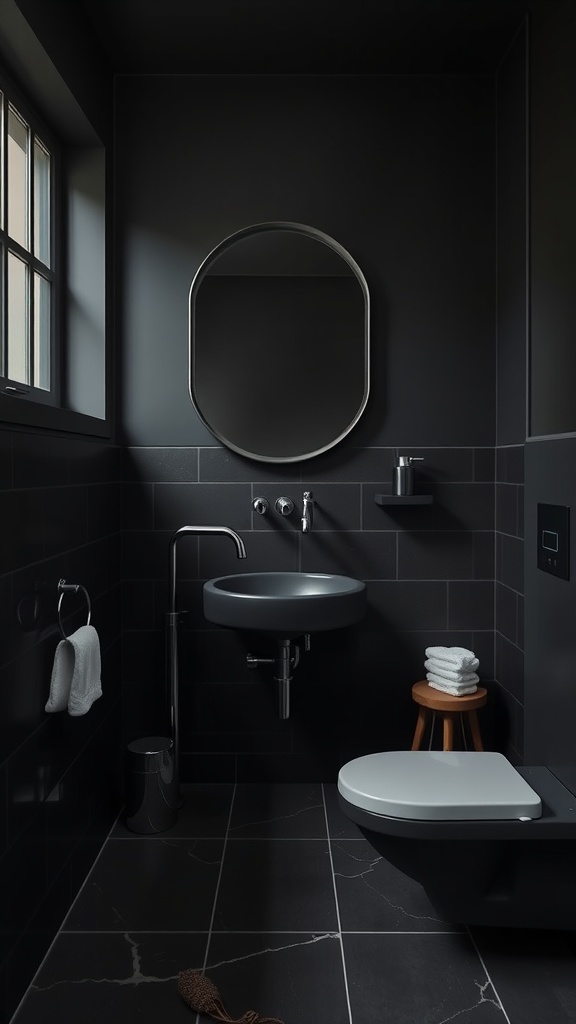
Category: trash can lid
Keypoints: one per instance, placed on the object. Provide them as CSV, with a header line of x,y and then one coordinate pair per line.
x,y
149,753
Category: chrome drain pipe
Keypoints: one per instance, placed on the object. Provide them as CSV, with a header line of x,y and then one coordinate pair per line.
x,y
284,661
283,678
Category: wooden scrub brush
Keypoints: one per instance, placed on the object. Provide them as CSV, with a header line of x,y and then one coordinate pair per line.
x,y
202,996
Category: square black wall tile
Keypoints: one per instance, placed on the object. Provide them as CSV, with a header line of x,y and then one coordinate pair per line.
x,y
137,506
179,504
507,508
437,555
160,464
506,620
483,543
220,465
413,604
5,459
484,464
471,604
352,464
31,465
464,506
510,667
441,465
510,562
363,555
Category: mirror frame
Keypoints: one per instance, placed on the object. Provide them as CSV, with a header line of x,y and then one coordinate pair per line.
x,y
226,243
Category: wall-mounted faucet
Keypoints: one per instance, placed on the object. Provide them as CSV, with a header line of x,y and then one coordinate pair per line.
x,y
307,512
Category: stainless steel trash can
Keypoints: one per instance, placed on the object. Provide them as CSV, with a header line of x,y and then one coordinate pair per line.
x,y
151,796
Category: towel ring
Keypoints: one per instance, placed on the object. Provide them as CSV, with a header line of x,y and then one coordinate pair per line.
x,y
63,588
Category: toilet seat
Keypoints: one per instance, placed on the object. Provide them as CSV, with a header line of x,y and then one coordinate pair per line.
x,y
431,785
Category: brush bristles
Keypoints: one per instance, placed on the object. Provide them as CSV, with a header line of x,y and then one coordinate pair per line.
x,y
198,991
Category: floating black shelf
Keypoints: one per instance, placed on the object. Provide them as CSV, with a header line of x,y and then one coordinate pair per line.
x,y
403,499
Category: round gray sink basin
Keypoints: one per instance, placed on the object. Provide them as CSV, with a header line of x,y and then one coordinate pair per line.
x,y
284,602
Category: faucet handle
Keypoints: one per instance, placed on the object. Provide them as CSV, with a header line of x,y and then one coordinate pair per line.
x,y
261,506
284,506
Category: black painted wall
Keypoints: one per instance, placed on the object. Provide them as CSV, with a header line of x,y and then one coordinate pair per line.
x,y
511,326
401,171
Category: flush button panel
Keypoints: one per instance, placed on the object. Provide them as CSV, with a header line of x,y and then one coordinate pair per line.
x,y
553,542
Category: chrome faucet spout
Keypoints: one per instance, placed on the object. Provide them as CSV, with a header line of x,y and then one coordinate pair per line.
x,y
307,512
197,531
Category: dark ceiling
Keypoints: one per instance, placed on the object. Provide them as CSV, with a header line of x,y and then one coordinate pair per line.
x,y
304,36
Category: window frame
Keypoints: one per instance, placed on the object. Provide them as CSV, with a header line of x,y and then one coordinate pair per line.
x,y
29,393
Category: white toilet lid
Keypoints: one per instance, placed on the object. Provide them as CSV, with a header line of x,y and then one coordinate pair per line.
x,y
433,785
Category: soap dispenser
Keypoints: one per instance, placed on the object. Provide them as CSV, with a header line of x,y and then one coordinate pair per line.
x,y
403,476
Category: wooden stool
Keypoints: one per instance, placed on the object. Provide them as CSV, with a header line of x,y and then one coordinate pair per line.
x,y
448,706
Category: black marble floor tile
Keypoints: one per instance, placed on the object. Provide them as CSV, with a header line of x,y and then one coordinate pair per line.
x,y
339,826
113,978
204,815
166,884
296,977
533,971
290,811
276,885
375,896
419,979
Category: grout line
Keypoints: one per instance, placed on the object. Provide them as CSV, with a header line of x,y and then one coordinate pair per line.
x,y
337,906
211,925
481,959
259,931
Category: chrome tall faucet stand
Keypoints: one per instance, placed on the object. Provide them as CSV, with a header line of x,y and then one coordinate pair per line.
x,y
172,627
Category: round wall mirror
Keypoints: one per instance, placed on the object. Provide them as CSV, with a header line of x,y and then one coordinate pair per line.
x,y
279,342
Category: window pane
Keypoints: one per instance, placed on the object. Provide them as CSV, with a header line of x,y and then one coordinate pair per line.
x,y
18,358
18,145
41,202
41,332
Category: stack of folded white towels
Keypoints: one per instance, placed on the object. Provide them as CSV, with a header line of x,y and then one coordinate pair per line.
x,y
452,670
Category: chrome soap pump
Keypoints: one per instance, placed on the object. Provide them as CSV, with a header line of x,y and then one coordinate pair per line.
x,y
403,476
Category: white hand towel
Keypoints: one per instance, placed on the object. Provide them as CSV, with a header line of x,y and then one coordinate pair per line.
x,y
449,682
452,690
459,657
437,667
75,682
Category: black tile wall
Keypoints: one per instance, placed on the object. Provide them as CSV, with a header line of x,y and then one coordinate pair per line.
x,y
430,579
60,777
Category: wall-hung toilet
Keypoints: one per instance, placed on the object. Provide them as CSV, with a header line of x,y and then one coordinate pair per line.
x,y
491,844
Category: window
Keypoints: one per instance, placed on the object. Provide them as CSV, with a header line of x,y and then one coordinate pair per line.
x,y
28,255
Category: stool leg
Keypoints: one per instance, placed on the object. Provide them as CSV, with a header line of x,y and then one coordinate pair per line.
x,y
419,730
475,730
448,732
